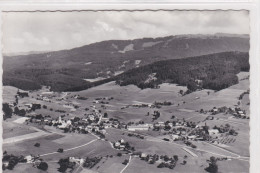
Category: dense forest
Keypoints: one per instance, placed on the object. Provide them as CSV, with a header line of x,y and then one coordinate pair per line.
x,y
213,71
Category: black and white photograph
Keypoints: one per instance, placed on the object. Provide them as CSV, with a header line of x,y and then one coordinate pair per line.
x,y
126,91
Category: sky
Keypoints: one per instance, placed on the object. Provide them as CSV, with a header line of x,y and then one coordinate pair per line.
x,y
50,31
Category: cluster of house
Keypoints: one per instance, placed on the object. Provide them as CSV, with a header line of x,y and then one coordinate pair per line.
x,y
120,145
92,122
164,160
179,130
158,125
123,145
194,133
22,93
149,105
87,162
103,100
45,96
77,160
10,161
79,125
237,112
140,127
32,159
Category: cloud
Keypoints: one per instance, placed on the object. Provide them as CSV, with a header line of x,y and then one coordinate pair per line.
x,y
33,40
105,26
41,31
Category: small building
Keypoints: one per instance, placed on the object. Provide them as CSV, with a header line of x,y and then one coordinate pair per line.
x,y
192,137
175,137
62,126
29,105
122,141
105,119
103,131
122,147
29,159
117,144
5,164
143,155
138,127
170,124
76,160
240,112
215,110
213,131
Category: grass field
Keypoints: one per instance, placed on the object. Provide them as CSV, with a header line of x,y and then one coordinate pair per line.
x,y
184,107
11,129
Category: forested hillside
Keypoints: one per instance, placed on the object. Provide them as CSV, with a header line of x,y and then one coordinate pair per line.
x,y
71,68
213,71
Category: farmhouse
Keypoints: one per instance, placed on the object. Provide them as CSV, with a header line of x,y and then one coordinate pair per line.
x,y
23,94
5,163
192,137
29,159
159,124
105,119
215,110
122,147
29,105
47,93
175,137
240,113
76,160
143,155
213,131
117,144
138,127
62,126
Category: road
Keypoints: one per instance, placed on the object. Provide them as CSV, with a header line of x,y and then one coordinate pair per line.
x,y
130,158
69,149
155,139
189,151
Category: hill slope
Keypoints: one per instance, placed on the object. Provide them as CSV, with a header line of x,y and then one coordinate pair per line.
x,y
68,68
213,71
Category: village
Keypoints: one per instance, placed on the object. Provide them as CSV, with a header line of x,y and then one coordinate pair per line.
x,y
79,114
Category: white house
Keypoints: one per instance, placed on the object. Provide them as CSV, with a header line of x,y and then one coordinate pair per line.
x,y
143,155
77,160
29,159
175,137
122,141
29,105
138,127
117,144
213,131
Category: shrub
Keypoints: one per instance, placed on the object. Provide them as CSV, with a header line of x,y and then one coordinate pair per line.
x,y
60,150
43,166
37,144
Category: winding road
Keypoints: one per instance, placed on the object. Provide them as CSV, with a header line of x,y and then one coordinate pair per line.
x,y
130,158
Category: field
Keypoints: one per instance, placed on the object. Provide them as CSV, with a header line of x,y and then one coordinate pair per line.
x,y
120,107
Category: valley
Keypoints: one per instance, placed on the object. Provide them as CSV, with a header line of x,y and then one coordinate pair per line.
x,y
155,122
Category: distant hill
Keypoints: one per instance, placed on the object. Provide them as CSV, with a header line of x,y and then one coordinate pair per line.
x,y
24,53
214,71
68,68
